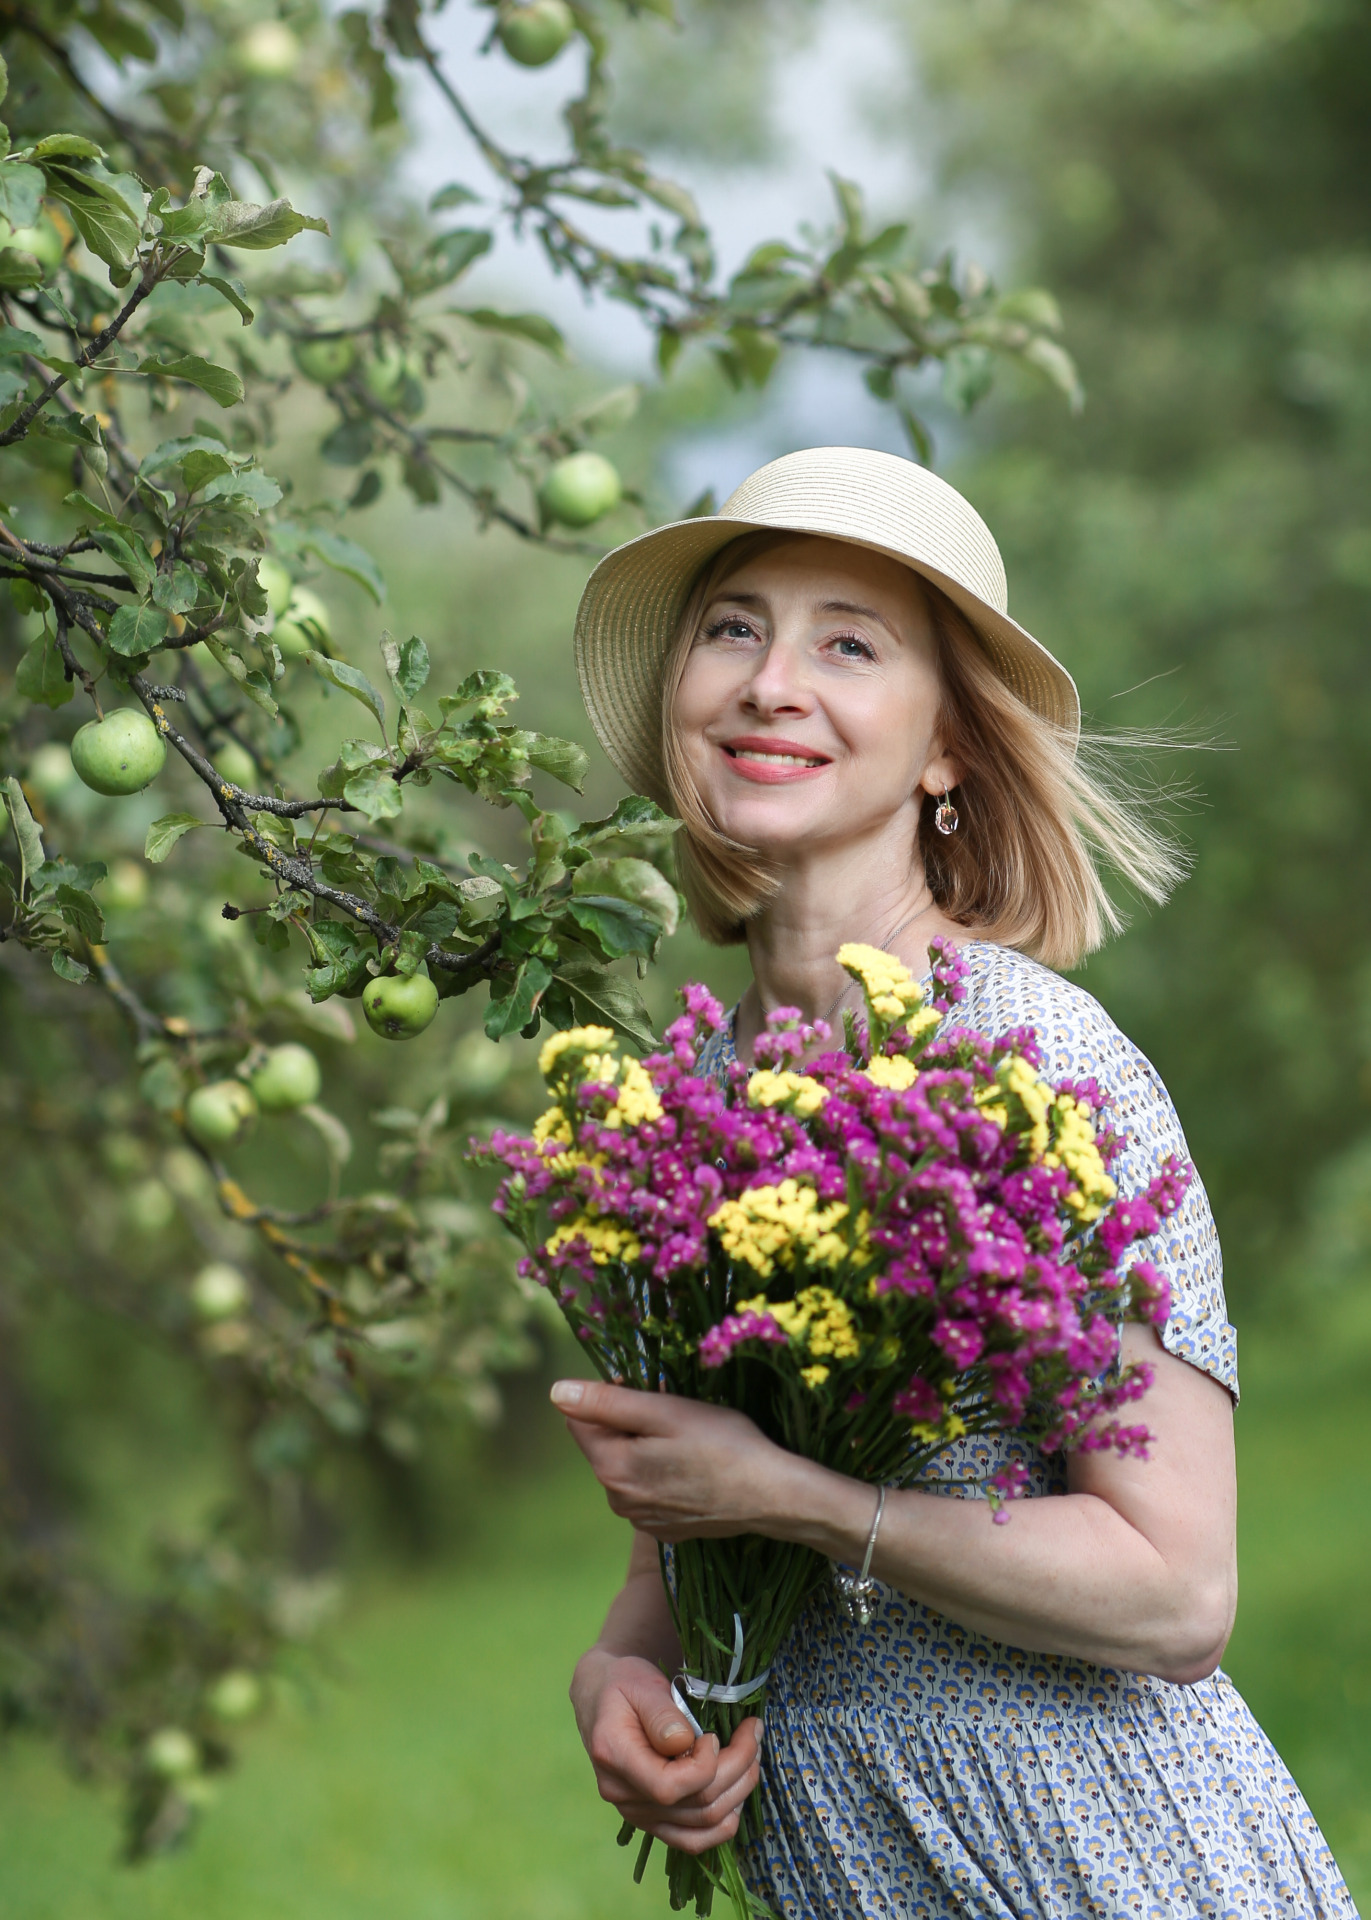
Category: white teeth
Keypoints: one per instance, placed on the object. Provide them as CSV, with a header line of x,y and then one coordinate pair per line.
x,y
775,759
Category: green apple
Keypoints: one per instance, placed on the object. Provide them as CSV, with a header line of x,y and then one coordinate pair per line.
x,y
306,625
50,771
219,1291
275,583
536,32
125,887
236,764
325,361
269,50
119,754
222,1113
398,1006
172,1753
149,1207
582,488
385,374
235,1695
44,242
289,1077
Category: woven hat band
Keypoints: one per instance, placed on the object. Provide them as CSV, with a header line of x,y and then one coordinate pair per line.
x,y
633,602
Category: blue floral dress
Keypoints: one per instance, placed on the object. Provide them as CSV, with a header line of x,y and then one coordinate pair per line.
x,y
914,1770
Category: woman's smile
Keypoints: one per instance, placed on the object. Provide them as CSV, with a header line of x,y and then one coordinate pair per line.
x,y
765,758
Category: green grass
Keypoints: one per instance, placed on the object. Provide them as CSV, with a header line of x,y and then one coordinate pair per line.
x,y
441,1777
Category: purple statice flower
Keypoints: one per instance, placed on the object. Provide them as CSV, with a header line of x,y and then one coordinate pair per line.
x,y
919,1400
721,1342
961,1340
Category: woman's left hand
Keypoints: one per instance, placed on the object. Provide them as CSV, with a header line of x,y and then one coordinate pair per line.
x,y
676,1469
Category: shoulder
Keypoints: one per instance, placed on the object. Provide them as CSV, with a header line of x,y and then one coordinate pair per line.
x,y
1078,1038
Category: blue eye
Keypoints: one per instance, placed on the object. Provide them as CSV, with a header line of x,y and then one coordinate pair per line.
x,y
853,648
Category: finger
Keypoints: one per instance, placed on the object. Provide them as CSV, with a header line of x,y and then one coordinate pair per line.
x,y
624,1408
700,1811
697,1839
667,1730
628,1768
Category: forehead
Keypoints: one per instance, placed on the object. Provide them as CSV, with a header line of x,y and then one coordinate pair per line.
x,y
819,572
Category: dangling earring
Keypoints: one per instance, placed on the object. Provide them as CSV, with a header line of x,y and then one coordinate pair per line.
x,y
945,815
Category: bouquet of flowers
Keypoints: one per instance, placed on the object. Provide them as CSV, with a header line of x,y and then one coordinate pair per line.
x,y
908,1239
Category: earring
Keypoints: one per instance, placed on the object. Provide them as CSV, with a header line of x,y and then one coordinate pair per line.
x,y
945,816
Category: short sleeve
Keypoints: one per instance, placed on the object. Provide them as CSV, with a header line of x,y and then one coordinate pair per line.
x,y
1080,1041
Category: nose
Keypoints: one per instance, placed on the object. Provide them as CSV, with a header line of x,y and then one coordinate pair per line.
x,y
778,683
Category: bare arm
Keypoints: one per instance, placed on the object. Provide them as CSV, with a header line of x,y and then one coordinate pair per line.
x,y
1134,1567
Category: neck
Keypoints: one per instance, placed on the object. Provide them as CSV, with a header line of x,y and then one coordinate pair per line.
x,y
874,892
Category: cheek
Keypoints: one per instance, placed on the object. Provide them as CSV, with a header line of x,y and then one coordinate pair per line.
x,y
888,728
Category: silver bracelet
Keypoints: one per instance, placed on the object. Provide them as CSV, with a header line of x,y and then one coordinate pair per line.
x,y
857,1593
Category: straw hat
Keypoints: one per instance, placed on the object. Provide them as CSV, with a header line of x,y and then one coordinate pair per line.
x,y
634,600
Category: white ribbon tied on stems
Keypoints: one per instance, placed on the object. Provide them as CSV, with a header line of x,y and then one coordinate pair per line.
x,y
729,1693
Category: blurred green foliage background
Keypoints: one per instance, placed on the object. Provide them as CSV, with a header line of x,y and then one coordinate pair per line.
x,y
1196,544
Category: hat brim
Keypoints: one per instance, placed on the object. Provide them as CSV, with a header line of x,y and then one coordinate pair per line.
x,y
632,607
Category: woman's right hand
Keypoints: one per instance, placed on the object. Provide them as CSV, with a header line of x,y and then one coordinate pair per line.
x,y
648,1763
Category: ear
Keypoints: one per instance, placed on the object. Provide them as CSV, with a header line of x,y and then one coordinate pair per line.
x,y
944,770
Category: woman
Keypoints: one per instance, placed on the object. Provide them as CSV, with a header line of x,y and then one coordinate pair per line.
x,y
822,682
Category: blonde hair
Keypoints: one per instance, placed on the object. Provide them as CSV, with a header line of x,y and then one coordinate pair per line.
x,y
1039,813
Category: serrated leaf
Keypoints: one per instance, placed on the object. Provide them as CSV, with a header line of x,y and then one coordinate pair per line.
x,y
253,684
80,912
200,466
41,675
345,556
535,327
598,996
351,680
66,968
452,195
25,831
512,1011
138,630
128,550
407,663
177,591
248,487
620,927
375,792
231,290
563,759
21,193
1060,368
15,340
164,833
241,223
223,387
99,211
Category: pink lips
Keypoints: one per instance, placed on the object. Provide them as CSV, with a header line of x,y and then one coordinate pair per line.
x,y
768,772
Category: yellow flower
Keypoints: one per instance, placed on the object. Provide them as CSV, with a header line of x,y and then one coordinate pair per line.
x,y
574,1040
637,1101
797,1091
814,1376
895,1072
816,1319
886,981
552,1125
767,1224
606,1241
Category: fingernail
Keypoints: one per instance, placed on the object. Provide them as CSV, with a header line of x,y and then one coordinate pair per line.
x,y
674,1729
715,1738
761,1735
568,1393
